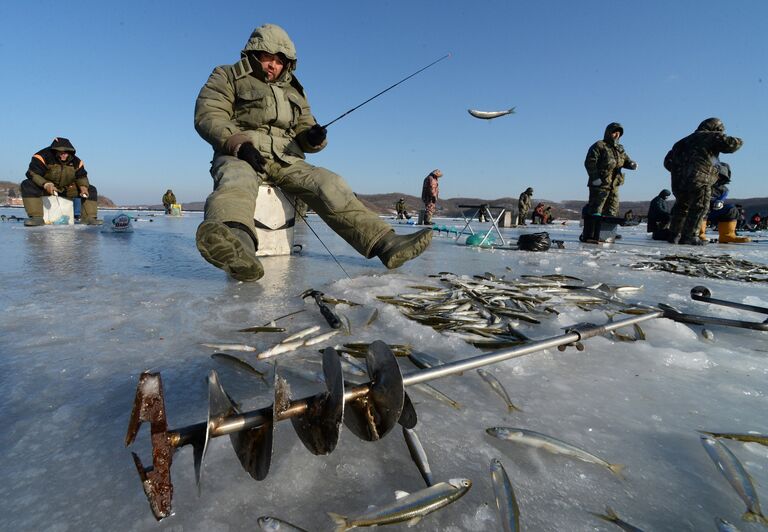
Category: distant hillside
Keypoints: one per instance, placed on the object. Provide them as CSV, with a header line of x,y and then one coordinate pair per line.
x,y
752,205
9,189
449,207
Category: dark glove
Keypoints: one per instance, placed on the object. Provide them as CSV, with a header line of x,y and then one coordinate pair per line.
x,y
316,135
633,165
251,155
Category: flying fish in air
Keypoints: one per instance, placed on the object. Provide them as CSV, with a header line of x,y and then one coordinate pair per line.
x,y
488,115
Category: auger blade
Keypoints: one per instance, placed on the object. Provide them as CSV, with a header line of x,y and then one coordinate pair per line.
x,y
253,447
371,416
149,406
319,427
408,418
220,405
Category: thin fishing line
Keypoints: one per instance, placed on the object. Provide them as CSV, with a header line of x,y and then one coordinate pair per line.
x,y
318,237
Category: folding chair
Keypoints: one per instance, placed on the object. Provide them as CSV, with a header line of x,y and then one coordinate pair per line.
x,y
486,210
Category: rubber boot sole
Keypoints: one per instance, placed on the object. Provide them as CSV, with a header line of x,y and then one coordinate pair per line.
x,y
407,248
220,247
34,221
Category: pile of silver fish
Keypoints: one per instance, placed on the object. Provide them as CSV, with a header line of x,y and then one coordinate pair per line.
x,y
717,267
487,311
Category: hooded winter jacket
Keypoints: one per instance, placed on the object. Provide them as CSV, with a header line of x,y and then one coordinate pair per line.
x,y
524,201
606,158
237,99
169,198
46,167
694,158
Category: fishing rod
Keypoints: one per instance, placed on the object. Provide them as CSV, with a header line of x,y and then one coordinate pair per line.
x,y
369,410
385,90
339,118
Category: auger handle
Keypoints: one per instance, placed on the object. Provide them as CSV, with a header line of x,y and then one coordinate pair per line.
x,y
702,293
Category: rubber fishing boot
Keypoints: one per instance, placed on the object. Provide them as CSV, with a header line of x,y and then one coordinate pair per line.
x,y
703,231
591,232
394,250
88,212
727,232
34,208
692,241
231,249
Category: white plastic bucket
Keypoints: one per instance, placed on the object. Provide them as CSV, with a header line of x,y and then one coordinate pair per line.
x,y
56,208
274,218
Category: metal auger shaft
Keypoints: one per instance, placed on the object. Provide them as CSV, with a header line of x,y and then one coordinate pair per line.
x,y
255,418
374,408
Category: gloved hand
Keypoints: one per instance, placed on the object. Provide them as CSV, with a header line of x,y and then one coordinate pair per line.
x,y
633,165
716,206
251,155
316,135
83,192
596,182
49,188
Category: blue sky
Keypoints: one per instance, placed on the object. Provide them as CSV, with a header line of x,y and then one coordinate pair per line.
x,y
120,80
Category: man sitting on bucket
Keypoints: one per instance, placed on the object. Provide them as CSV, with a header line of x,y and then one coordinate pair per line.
x,y
256,117
56,170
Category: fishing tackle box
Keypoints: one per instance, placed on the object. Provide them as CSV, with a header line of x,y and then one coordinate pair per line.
x,y
600,228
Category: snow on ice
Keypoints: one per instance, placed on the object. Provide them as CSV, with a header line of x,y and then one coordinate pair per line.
x,y
85,312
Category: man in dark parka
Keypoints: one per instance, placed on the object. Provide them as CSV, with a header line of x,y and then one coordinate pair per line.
x,y
693,164
56,170
658,216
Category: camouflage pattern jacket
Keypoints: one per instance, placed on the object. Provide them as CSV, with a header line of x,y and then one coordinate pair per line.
x,y
524,202
694,158
430,189
605,159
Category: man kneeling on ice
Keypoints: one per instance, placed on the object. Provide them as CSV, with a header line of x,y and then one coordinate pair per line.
x,y
721,213
257,118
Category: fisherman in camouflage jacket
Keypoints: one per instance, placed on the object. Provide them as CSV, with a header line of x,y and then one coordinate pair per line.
x,y
605,160
693,164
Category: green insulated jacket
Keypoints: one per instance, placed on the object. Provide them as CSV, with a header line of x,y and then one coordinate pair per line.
x,y
524,202
46,167
169,198
605,159
236,99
